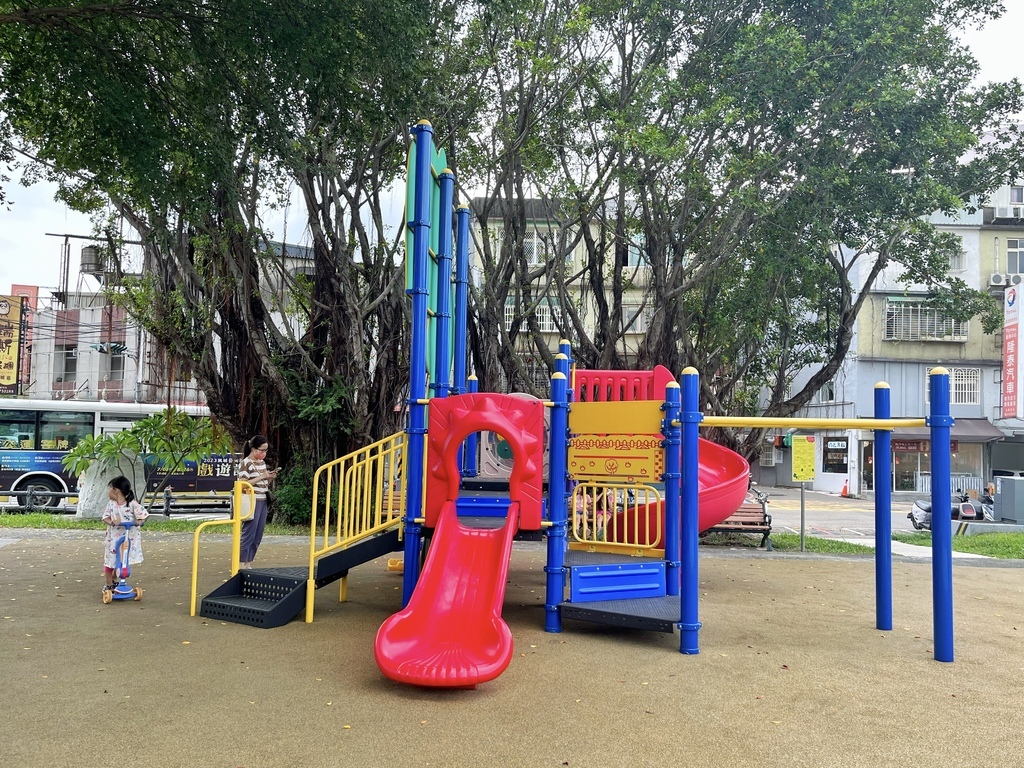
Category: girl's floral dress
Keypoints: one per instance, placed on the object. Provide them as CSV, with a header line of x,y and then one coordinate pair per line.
x,y
113,516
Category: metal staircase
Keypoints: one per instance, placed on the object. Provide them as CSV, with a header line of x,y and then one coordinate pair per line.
x,y
271,597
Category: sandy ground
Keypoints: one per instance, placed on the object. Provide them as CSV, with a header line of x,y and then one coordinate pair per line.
x,y
791,671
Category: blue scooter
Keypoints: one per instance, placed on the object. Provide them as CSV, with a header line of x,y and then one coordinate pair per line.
x,y
122,590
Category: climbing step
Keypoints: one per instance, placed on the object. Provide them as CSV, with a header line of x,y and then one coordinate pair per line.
x,y
265,597
657,614
271,597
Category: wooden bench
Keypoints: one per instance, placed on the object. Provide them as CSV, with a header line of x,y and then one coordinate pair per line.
x,y
749,518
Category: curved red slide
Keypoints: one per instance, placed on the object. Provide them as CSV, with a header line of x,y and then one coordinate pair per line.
x,y
722,477
451,634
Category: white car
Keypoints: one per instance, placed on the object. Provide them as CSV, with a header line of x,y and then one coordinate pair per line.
x,y
1007,473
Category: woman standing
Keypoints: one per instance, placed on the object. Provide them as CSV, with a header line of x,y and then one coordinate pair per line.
x,y
253,470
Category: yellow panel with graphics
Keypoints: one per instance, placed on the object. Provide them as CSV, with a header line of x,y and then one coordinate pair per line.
x,y
640,417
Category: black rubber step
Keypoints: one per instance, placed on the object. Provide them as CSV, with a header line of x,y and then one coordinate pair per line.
x,y
657,614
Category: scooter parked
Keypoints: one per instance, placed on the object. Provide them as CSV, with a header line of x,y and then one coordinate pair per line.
x,y
963,508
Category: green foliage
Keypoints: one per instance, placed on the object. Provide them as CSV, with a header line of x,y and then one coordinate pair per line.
x,y
163,441
293,493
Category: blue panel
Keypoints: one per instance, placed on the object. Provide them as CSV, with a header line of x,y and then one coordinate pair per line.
x,y
482,504
617,581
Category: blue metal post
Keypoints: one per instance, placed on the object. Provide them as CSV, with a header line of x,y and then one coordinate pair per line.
x,y
673,432
469,468
461,312
442,354
691,416
883,511
565,348
423,135
461,298
940,422
557,508
563,362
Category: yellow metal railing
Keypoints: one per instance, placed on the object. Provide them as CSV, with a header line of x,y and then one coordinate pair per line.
x,y
355,497
616,517
243,501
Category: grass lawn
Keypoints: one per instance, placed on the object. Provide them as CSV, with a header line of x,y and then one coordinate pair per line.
x,y
785,542
1006,546
154,523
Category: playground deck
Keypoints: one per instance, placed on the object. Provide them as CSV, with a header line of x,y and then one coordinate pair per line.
x,y
790,672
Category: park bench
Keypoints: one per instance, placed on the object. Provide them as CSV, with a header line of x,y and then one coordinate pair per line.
x,y
751,517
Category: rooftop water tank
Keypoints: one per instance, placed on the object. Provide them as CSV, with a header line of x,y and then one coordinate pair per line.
x,y
92,260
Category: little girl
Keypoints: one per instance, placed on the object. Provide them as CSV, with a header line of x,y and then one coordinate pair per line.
x,y
121,507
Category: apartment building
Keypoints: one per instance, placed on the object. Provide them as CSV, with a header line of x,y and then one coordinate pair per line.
x,y
81,347
898,339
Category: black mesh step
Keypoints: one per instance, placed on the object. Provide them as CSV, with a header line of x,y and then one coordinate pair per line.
x,y
263,598
657,614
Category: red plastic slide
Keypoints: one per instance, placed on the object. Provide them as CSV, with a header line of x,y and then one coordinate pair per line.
x,y
722,477
451,634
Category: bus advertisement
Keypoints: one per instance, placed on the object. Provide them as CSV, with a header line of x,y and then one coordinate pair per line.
x,y
36,434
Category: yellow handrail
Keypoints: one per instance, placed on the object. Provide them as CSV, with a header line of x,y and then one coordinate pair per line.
x,y
613,517
241,489
354,497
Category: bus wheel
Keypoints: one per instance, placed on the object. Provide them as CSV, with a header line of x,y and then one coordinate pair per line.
x,y
39,487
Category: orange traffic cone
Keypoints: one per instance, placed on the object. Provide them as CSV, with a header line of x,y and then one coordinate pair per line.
x,y
846,489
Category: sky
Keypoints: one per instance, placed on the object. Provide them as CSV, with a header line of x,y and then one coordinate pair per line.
x,y
29,256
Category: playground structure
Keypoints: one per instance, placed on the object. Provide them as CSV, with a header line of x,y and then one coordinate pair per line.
x,y
627,440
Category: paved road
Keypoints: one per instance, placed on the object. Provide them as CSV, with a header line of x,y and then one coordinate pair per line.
x,y
831,516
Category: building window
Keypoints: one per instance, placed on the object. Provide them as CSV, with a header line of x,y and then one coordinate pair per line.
x,y
66,362
827,394
632,253
636,317
1016,195
545,313
964,386
116,368
912,321
537,245
1014,257
956,261
834,457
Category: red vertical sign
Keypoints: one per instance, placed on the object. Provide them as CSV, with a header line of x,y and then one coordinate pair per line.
x,y
1011,318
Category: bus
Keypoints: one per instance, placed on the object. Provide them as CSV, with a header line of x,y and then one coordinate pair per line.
x,y
36,434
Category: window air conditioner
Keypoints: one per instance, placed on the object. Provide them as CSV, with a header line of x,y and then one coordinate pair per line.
x,y
996,278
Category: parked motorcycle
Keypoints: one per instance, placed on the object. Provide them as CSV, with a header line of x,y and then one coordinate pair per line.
x,y
963,508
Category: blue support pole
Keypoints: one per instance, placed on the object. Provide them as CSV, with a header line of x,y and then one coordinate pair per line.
x,y
883,511
461,298
691,416
469,468
565,348
442,355
673,432
940,422
557,507
423,135
563,363
461,312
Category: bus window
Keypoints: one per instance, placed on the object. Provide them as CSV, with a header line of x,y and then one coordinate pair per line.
x,y
18,430
62,431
